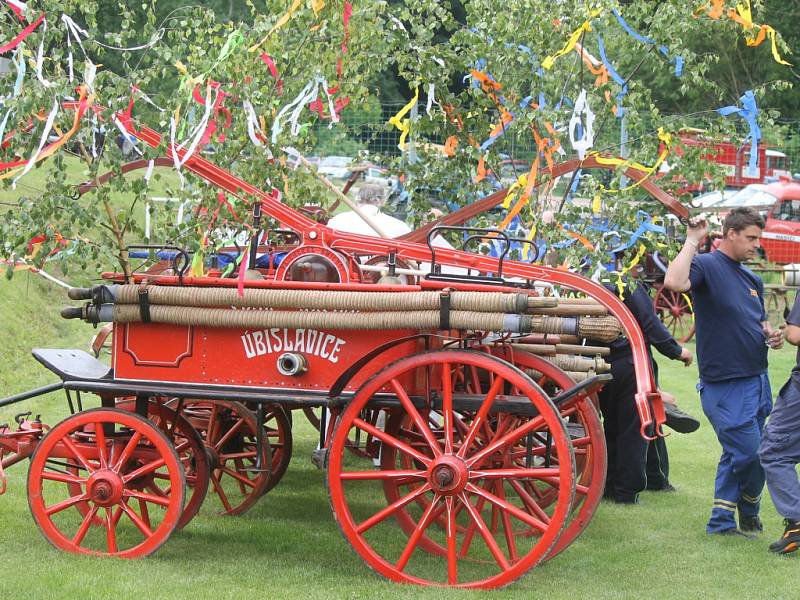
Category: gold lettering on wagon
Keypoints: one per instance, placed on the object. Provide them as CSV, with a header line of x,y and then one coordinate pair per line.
x,y
307,341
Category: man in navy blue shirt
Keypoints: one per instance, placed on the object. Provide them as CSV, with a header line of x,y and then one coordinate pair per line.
x,y
733,336
780,447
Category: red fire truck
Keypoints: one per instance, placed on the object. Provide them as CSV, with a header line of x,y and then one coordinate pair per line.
x,y
735,160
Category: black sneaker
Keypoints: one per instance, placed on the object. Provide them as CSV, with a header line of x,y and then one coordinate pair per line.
x,y
790,540
679,420
751,524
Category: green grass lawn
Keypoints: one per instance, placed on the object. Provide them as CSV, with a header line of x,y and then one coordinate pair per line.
x,y
288,545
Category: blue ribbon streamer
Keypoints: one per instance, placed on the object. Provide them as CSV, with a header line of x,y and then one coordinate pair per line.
x,y
677,61
749,112
614,75
645,224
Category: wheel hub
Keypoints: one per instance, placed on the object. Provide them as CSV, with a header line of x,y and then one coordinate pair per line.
x,y
448,475
105,488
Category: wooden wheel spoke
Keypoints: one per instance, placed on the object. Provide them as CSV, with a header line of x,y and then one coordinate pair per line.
x,y
215,481
581,442
84,526
102,448
480,416
229,434
63,477
242,479
391,440
65,504
508,530
503,505
144,470
145,497
416,534
447,407
111,532
239,464
405,477
450,533
480,525
67,441
136,520
392,508
530,503
145,512
507,439
238,455
127,451
412,411
514,473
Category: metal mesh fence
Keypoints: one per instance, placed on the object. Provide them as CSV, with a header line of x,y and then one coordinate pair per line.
x,y
366,133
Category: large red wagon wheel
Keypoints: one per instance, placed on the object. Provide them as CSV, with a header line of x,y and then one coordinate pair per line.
x,y
191,451
462,474
675,312
229,431
586,436
113,457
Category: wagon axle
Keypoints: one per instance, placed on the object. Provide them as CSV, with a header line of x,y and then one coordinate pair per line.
x,y
17,445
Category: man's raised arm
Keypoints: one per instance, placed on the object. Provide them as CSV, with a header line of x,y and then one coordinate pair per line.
x,y
677,275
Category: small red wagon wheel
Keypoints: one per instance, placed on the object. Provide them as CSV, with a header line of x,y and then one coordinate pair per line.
x,y
191,451
229,431
113,456
675,312
462,474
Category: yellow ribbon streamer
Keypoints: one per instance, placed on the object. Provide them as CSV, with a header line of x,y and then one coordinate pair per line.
x,y
404,125
631,265
743,15
317,6
280,23
648,171
548,61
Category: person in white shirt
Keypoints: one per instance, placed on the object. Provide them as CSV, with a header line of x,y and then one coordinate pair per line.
x,y
370,200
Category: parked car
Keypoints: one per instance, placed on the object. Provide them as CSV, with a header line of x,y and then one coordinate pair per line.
x,y
335,167
380,176
780,241
712,199
756,195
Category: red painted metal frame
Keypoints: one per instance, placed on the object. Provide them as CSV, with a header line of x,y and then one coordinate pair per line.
x,y
648,399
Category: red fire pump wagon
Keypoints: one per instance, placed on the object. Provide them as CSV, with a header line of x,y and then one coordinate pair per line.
x,y
458,424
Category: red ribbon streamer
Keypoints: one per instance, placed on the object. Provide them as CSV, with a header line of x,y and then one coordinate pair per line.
x,y
273,70
22,35
346,14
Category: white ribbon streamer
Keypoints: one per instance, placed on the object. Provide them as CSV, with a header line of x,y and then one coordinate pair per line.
x,y
582,116
40,57
45,134
149,173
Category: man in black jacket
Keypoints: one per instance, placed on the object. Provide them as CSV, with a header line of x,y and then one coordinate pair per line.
x,y
627,450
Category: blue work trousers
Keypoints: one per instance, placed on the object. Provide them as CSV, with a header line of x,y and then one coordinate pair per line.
x,y
780,451
737,409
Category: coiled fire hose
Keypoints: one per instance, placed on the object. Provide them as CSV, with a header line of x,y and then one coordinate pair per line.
x,y
221,307
601,328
